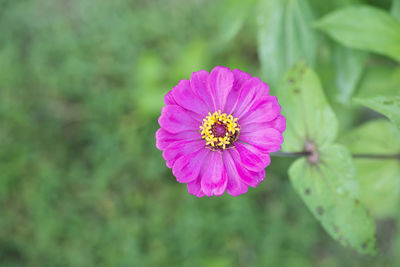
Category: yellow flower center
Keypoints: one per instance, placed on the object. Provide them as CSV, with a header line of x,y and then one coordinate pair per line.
x,y
219,130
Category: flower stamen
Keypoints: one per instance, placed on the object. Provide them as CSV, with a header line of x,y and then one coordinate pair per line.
x,y
219,130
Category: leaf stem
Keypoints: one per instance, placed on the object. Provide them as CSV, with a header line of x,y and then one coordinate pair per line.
x,y
357,156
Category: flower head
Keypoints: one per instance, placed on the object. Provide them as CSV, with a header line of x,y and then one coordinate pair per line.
x,y
217,130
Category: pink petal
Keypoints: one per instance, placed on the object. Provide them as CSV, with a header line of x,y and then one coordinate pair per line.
x,y
175,119
186,98
252,158
220,82
169,99
267,139
279,123
263,110
214,180
199,84
249,177
251,91
194,188
240,78
187,168
179,149
234,186
165,139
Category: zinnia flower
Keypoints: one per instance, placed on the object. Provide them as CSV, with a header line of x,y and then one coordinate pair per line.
x,y
217,130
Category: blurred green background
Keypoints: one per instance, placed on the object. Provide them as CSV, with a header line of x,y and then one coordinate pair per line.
x,y
81,182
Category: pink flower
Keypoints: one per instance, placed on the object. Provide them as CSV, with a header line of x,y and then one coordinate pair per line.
x,y
217,130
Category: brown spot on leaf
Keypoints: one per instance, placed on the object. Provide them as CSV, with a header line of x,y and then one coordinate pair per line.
x,y
364,246
296,91
320,210
336,229
307,191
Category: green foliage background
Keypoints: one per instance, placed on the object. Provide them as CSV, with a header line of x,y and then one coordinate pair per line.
x,y
81,87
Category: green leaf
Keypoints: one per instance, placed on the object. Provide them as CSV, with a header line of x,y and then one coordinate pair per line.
x,y
379,179
349,65
379,80
285,36
325,181
235,13
309,116
364,27
323,7
395,10
331,192
388,106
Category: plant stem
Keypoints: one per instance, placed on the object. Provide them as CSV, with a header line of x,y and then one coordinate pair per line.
x,y
358,156
377,156
290,154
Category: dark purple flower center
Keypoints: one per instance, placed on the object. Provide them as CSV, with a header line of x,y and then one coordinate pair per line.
x,y
219,130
